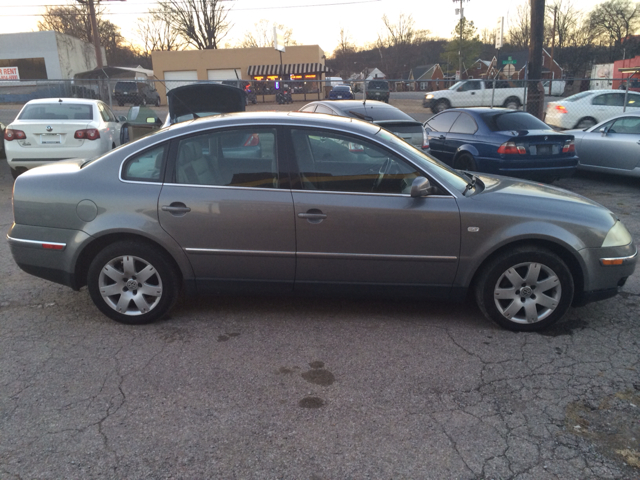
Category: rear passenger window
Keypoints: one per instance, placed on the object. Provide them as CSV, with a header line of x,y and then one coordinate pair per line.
x,y
235,158
464,124
443,122
146,166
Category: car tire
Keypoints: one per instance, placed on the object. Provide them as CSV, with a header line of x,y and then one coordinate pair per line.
x,y
113,281
512,103
465,161
158,102
585,122
441,106
525,289
15,173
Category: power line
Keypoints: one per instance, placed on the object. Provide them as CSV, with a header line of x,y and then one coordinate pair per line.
x,y
355,2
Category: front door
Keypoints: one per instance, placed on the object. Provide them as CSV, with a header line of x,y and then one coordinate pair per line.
x,y
617,148
225,206
357,226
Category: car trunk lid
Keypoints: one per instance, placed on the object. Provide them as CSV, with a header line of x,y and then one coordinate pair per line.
x,y
51,133
199,100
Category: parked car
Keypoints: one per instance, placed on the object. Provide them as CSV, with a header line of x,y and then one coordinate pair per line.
x,y
246,86
196,100
341,92
585,109
476,93
137,93
612,146
52,129
501,141
387,116
378,90
140,121
330,204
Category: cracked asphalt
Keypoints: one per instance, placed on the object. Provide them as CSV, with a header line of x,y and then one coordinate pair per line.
x,y
314,388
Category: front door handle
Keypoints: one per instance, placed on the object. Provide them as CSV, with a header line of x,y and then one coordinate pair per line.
x,y
176,208
441,137
313,215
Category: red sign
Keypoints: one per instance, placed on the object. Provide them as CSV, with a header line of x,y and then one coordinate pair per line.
x,y
9,73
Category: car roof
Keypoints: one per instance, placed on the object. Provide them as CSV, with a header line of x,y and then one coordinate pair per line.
x,y
85,101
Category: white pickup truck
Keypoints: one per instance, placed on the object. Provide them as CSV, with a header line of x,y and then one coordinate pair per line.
x,y
476,93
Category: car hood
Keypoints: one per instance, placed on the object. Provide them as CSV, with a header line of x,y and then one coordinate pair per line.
x,y
205,98
538,201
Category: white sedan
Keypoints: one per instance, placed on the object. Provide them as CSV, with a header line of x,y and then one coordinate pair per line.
x,y
585,109
51,129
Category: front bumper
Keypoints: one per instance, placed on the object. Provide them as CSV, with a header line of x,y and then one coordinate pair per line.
x,y
605,281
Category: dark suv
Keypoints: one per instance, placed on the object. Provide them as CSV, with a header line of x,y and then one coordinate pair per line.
x,y
378,90
138,93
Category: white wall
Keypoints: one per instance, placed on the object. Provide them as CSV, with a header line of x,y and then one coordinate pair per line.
x,y
63,55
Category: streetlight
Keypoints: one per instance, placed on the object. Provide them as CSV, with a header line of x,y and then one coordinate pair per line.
x,y
461,11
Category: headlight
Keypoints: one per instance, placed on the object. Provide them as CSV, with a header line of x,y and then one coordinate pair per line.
x,y
617,236
429,97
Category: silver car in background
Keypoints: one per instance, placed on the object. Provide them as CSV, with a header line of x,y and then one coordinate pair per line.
x,y
303,203
612,146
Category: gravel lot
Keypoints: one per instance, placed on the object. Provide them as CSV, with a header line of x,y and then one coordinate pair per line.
x,y
313,388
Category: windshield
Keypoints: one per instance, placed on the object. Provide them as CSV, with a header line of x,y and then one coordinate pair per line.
x,y
56,111
454,178
513,121
455,85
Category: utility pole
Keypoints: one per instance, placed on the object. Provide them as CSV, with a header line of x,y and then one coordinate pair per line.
x,y
461,11
535,97
553,44
94,30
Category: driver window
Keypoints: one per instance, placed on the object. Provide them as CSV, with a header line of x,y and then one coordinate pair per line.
x,y
335,162
628,125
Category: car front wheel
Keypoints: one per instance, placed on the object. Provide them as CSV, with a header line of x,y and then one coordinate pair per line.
x,y
525,289
441,105
132,283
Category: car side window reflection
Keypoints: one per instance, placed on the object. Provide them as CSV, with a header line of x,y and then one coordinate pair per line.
x,y
628,125
340,163
146,166
464,124
243,157
442,122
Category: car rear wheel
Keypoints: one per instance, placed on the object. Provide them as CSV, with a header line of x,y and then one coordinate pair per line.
x,y
585,123
512,103
525,289
158,102
465,161
132,283
441,105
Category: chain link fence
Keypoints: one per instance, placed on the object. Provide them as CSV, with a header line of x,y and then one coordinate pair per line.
x,y
563,104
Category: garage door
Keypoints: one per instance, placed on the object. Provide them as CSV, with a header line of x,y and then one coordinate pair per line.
x,y
224,74
177,78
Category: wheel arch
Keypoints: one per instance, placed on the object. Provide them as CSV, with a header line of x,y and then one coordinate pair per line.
x,y
466,148
90,251
585,118
564,253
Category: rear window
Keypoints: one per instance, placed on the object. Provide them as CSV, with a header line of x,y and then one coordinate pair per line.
x,y
125,86
56,111
513,121
375,114
343,88
377,84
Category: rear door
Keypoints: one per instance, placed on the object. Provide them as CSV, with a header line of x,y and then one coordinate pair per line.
x,y
437,128
358,227
230,208
462,132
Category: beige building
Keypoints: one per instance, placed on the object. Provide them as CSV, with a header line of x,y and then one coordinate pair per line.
x,y
302,69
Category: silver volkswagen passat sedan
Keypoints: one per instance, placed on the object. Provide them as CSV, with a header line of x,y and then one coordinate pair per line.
x,y
295,202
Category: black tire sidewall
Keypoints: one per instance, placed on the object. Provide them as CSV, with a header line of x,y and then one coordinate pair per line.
x,y
150,254
488,279
466,158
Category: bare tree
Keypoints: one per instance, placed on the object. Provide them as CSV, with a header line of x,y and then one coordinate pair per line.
x,y
520,27
71,20
201,23
488,36
614,20
156,34
403,32
262,35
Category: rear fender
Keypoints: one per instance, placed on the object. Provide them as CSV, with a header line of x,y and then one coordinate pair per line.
x,y
466,148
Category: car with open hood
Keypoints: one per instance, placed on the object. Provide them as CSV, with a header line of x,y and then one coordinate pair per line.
x,y
295,203
197,100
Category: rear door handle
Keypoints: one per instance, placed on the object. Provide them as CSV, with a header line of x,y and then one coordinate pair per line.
x,y
441,137
312,216
176,208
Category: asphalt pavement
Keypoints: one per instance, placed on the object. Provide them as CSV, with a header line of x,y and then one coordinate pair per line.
x,y
317,388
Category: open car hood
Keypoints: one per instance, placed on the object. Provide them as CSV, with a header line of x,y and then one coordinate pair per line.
x,y
198,100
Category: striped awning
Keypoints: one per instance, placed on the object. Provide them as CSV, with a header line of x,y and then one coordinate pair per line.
x,y
287,69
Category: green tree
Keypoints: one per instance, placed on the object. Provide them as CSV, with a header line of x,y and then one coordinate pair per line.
x,y
468,44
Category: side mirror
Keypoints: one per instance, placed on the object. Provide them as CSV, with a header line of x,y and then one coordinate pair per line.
x,y
421,187
603,131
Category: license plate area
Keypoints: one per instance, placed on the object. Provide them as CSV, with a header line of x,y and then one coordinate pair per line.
x,y
50,139
549,149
